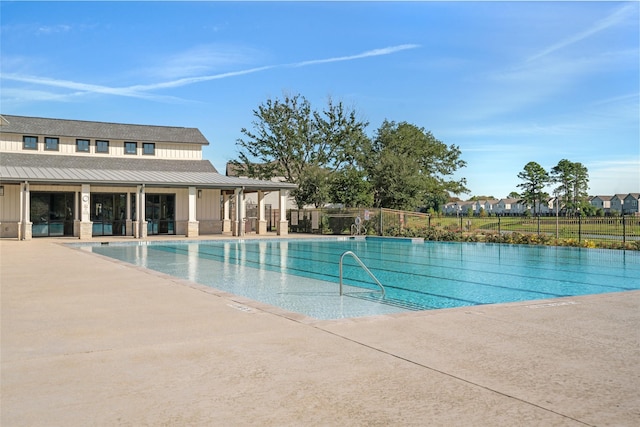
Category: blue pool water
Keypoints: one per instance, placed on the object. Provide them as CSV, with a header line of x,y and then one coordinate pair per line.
x,y
302,275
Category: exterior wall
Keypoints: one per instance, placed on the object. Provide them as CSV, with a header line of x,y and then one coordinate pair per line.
x,y
600,203
208,207
10,203
617,204
10,211
631,204
177,151
67,146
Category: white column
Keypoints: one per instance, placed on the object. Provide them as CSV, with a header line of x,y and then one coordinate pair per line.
x,y
192,204
85,197
226,221
141,215
262,223
85,226
283,226
241,212
25,226
236,222
192,225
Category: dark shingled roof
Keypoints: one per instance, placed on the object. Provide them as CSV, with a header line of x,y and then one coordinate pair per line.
x,y
100,130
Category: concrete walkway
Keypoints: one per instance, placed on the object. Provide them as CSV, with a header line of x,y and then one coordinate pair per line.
x,y
87,341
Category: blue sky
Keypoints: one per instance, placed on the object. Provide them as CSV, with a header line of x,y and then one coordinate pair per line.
x,y
507,82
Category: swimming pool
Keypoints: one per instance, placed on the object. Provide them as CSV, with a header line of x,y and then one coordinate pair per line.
x,y
302,275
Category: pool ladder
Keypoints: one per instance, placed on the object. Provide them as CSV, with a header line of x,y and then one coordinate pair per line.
x,y
361,265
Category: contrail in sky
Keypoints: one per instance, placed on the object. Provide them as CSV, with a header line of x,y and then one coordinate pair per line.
x,y
140,91
611,20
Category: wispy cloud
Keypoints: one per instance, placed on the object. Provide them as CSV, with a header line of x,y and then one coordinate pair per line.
x,y
618,16
367,54
617,175
83,88
142,90
202,59
46,30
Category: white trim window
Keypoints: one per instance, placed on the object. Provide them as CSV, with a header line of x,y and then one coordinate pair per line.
x,y
51,144
29,142
82,145
149,148
102,146
130,147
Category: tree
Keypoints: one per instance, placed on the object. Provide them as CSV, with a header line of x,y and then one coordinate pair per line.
x,y
513,195
535,178
476,198
350,188
434,200
573,179
292,141
405,164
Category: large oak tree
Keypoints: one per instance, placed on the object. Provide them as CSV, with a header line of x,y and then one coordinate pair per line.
x,y
406,166
303,146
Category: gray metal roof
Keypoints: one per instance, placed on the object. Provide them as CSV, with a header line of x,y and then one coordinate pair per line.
x,y
38,168
103,162
99,130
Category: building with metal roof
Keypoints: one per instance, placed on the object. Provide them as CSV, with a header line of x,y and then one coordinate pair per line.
x,y
87,179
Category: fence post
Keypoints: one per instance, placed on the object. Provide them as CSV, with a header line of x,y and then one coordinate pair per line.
x,y
538,224
579,228
499,232
624,231
381,229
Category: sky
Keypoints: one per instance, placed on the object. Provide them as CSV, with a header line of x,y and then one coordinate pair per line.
x,y
507,82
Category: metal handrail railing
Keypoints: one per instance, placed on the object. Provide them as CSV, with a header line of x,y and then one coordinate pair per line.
x,y
361,265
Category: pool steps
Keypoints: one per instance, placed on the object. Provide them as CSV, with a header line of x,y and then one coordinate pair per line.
x,y
391,301
364,267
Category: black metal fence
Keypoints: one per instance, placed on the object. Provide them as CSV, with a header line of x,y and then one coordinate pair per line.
x,y
388,222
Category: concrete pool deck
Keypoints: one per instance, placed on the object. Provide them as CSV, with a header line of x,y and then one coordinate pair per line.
x,y
90,341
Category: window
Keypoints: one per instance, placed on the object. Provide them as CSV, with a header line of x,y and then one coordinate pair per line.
x,y
149,148
51,144
102,146
130,147
30,142
82,145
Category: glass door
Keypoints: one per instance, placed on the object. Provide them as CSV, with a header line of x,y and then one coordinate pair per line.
x,y
108,214
52,214
160,213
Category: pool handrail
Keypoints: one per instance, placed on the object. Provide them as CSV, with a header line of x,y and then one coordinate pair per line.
x,y
361,265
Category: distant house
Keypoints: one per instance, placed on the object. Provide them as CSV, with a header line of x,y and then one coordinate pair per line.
x,y
510,207
449,208
487,205
617,203
631,205
456,208
601,202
